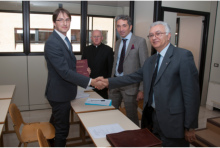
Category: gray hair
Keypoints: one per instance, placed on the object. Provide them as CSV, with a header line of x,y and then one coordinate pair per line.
x,y
167,27
123,17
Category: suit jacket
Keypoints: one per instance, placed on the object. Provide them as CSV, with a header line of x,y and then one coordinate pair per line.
x,y
101,64
134,59
62,76
176,90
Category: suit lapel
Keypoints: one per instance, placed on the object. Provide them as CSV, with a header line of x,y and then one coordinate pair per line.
x,y
63,43
116,56
165,63
132,40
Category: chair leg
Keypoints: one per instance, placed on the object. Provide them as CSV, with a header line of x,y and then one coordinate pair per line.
x,y
25,144
19,144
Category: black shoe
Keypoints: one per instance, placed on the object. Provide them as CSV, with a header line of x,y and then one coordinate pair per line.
x,y
60,142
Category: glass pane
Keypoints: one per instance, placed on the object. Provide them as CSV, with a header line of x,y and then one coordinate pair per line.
x,y
11,38
75,32
41,25
101,17
11,27
107,29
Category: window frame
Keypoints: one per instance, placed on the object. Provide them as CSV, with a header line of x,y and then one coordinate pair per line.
x,y
26,27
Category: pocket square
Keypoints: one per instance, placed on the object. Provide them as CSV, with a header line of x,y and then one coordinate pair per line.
x,y
132,47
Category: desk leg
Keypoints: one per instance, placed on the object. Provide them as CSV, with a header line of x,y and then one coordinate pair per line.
x,y
1,141
72,116
82,133
7,131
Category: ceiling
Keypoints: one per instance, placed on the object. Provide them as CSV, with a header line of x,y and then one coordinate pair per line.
x,y
113,3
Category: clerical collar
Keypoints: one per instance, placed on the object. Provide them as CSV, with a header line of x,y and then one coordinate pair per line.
x,y
97,45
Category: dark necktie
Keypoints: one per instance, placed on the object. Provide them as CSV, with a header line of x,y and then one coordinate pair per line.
x,y
153,81
70,46
120,66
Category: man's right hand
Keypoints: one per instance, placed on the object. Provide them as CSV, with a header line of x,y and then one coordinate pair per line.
x,y
98,84
103,80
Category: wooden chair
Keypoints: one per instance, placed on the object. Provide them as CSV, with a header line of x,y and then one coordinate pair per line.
x,y
140,105
41,139
29,130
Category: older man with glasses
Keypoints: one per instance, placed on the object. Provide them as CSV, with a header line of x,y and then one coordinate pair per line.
x,y
171,89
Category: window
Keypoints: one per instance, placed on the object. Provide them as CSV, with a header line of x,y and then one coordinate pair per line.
x,y
7,27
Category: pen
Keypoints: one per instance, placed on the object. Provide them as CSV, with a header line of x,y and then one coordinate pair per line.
x,y
97,100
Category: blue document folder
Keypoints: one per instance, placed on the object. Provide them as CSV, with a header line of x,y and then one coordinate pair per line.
x,y
99,102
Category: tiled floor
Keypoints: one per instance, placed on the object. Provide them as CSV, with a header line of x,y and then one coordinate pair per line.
x,y
11,140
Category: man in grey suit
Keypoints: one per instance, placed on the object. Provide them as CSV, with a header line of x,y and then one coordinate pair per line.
x,y
62,76
130,54
171,89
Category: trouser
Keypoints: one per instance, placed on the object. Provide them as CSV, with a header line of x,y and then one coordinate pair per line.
x,y
60,120
103,93
166,142
130,103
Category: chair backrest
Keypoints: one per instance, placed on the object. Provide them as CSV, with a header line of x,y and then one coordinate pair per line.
x,y
16,119
41,139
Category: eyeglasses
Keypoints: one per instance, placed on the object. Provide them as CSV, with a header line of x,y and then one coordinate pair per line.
x,y
96,36
62,20
157,34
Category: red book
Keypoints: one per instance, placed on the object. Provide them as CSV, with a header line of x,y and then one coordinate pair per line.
x,y
81,67
134,138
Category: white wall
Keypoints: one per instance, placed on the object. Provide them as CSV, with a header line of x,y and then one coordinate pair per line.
x,y
190,35
189,5
37,80
215,71
205,6
170,18
214,84
14,72
143,18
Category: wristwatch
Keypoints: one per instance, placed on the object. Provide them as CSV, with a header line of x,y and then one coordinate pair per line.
x,y
189,129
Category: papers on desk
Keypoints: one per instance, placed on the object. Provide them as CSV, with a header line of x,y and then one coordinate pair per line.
x,y
88,88
99,102
103,130
81,94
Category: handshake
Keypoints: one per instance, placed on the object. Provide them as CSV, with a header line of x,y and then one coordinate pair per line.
x,y
99,83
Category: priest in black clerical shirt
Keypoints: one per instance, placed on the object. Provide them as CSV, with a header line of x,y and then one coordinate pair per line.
x,y
100,59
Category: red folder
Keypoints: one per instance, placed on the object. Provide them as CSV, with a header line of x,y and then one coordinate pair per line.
x,y
134,138
81,67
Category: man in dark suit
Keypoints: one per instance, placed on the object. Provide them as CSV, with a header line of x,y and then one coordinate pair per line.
x,y
62,76
130,54
171,89
100,59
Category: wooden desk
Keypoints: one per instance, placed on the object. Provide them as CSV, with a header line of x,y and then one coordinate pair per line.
x,y
103,118
79,106
1,137
6,91
4,105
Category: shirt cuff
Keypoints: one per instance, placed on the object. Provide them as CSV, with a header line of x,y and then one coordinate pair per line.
x,y
90,81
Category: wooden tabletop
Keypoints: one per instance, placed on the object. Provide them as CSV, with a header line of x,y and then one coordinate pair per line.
x,y
4,105
92,119
6,91
79,106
